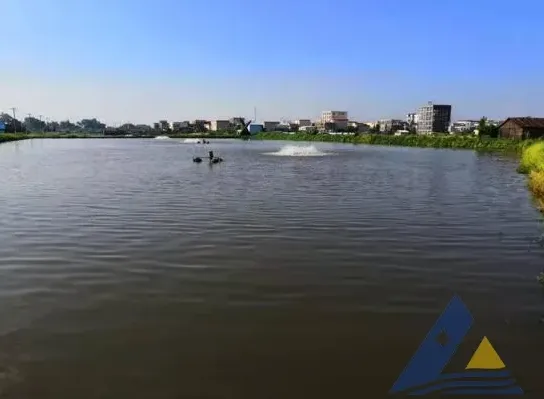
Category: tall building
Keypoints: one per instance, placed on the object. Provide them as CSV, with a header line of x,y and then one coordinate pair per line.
x,y
433,118
339,118
164,125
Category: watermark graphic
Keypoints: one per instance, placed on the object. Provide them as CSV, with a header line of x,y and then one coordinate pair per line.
x,y
485,373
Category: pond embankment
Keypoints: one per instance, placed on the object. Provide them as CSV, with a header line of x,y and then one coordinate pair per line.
x,y
532,164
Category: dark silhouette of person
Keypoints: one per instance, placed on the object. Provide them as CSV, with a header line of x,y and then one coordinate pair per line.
x,y
210,153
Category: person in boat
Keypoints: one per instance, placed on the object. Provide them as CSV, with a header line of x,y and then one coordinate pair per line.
x,y
210,153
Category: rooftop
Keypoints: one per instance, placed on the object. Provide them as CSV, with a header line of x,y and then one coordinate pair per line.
x,y
527,122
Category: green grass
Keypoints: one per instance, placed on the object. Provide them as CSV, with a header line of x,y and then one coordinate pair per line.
x,y
5,137
424,141
532,164
532,159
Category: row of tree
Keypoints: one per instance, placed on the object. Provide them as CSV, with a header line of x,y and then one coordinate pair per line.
x,y
35,125
31,125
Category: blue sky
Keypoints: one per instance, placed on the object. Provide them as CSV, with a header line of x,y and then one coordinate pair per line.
x,y
140,60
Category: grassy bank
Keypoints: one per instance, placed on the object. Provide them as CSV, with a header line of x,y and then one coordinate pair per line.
x,y
434,141
5,137
532,164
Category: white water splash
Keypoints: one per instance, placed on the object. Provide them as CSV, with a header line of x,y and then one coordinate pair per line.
x,y
192,141
162,138
298,151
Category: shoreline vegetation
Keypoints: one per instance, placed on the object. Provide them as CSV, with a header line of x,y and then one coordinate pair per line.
x,y
532,165
422,141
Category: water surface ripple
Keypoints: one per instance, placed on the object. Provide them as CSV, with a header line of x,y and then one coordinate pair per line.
x,y
128,271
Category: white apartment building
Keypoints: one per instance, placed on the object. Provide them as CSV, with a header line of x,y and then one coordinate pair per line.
x,y
433,118
339,118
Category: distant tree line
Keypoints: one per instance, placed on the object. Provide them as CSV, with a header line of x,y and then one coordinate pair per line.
x,y
93,126
34,125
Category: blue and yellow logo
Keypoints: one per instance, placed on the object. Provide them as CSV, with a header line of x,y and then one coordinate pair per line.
x,y
485,373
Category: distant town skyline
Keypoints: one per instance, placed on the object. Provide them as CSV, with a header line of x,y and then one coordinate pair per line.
x,y
146,61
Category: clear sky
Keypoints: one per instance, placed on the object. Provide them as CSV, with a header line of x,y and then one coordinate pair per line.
x,y
142,60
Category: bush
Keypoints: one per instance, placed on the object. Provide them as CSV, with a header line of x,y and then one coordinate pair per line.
x,y
532,159
5,137
532,163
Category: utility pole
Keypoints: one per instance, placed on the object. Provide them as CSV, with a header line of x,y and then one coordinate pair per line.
x,y
29,116
13,109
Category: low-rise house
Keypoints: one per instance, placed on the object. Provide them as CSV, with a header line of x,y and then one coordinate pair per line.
x,y
522,128
180,125
494,122
329,126
238,121
255,128
303,122
358,126
308,129
363,128
353,125
270,126
464,126
219,125
283,127
200,125
389,126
